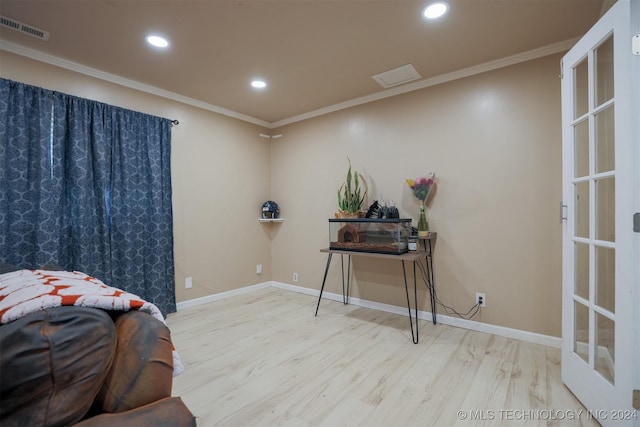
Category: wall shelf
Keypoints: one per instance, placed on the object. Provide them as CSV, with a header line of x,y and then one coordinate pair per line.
x,y
271,219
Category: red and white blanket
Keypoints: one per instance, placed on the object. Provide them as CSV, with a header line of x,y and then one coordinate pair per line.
x,y
26,291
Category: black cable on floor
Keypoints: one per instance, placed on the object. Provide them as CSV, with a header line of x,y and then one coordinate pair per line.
x,y
449,310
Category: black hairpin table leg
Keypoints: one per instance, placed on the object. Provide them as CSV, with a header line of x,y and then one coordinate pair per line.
x,y
432,282
414,335
326,270
345,295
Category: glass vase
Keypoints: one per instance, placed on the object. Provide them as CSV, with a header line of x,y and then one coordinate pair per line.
x,y
423,225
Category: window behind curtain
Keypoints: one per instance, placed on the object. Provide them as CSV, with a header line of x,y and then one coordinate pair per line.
x,y
87,186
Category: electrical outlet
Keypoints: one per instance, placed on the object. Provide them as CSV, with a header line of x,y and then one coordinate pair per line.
x,y
295,277
258,268
481,299
188,282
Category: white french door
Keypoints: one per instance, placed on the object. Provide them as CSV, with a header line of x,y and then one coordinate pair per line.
x,y
600,248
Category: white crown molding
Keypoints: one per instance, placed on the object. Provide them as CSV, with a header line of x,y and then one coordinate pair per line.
x,y
421,84
424,315
112,78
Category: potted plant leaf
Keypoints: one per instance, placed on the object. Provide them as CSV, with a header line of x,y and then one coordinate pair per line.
x,y
351,196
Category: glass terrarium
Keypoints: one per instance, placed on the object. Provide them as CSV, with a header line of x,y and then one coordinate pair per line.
x,y
385,236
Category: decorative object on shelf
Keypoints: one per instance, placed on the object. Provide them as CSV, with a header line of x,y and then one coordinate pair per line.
x,y
373,210
421,188
350,196
423,225
382,212
385,236
351,233
392,211
270,210
388,210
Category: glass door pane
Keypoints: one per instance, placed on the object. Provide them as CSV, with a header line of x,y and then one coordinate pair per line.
x,y
604,141
606,209
581,148
581,101
606,278
581,331
582,209
605,345
604,71
582,270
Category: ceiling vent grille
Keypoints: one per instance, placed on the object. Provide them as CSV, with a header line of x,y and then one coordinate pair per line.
x,y
24,28
397,76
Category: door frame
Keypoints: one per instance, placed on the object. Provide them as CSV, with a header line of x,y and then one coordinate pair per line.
x,y
635,138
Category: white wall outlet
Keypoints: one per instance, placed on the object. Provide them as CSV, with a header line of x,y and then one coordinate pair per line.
x,y
188,282
481,299
295,277
258,268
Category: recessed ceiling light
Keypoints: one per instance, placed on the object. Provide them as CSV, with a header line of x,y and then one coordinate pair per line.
x,y
258,84
435,10
157,41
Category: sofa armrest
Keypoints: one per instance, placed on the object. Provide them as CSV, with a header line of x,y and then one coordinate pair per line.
x,y
53,364
142,368
167,412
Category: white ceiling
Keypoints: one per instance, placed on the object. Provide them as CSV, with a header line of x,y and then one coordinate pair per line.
x,y
314,54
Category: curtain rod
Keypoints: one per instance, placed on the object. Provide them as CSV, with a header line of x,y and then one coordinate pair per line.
x,y
175,122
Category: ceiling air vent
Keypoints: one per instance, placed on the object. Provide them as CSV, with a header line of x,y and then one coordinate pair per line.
x,y
397,76
23,28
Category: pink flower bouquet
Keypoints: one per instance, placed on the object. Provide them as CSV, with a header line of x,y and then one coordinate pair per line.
x,y
421,187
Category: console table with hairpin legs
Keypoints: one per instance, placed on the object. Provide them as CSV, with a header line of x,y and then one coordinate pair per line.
x,y
425,252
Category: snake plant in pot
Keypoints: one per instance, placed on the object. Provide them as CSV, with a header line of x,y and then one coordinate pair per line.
x,y
351,196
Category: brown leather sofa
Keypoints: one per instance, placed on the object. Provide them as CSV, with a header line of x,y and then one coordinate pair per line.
x,y
88,367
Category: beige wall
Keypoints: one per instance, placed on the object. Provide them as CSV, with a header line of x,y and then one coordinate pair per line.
x,y
493,140
221,177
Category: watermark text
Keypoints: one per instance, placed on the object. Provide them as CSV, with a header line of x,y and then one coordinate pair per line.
x,y
547,414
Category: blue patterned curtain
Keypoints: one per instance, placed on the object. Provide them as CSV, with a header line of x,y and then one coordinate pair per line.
x,y
86,186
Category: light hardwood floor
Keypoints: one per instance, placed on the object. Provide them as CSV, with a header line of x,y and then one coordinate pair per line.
x,y
263,359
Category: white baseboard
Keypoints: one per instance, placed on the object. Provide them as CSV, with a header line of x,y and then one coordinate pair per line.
x,y
424,315
222,295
